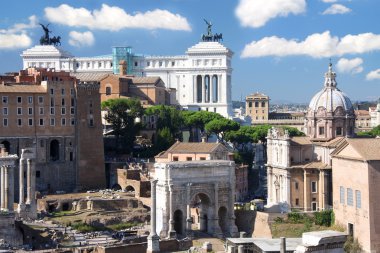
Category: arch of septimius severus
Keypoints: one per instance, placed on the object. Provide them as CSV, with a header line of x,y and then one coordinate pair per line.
x,y
196,195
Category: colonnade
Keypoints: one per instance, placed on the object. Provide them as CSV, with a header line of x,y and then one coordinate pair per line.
x,y
30,183
207,88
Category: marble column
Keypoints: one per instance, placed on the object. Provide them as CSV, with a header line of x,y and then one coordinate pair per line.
x,y
188,211
6,187
2,187
203,89
288,186
30,178
21,183
11,199
195,98
269,184
211,89
172,232
219,88
153,238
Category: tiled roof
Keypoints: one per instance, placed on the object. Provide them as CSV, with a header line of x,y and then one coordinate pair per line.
x,y
90,76
145,80
194,147
368,148
22,88
311,165
300,140
334,142
361,113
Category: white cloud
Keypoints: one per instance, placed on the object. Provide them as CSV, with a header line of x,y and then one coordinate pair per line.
x,y
336,9
16,36
353,66
375,74
316,45
78,39
256,13
329,1
114,18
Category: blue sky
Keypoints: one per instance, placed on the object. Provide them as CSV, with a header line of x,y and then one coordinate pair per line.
x,y
282,47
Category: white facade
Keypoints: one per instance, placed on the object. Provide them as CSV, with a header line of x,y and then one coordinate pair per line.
x,y
202,77
375,115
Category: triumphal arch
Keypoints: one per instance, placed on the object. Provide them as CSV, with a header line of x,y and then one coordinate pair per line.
x,y
195,195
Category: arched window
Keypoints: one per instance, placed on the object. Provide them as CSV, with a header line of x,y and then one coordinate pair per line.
x,y
54,150
199,89
207,88
108,91
215,87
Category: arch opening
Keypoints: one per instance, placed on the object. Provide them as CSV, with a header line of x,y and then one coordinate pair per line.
x,y
201,212
178,222
7,146
116,187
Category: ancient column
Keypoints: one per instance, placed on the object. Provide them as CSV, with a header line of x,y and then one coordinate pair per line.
x,y
30,181
240,249
195,84
269,185
288,186
6,187
172,232
188,211
11,199
21,183
211,89
153,238
2,187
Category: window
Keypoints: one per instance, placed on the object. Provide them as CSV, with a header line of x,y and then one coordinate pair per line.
x,y
38,174
88,65
30,110
350,200
296,185
321,130
19,111
99,64
314,206
63,122
256,104
30,122
250,104
51,91
5,122
108,91
342,195
136,64
19,100
41,109
175,158
19,122
30,100
62,92
358,196
52,121
148,63
160,63
339,131
72,111
40,100
71,156
173,63
5,100
72,91
63,102
314,187
72,102
51,101
63,110
72,121
189,158
297,202
262,104
41,122
5,110
52,111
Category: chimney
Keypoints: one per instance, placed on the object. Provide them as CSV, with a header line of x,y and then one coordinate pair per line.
x,y
283,245
123,68
203,139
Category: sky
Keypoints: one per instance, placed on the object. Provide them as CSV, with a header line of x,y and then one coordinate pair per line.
x,y
282,48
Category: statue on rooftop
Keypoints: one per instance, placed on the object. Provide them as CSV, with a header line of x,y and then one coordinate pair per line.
x,y
46,40
210,36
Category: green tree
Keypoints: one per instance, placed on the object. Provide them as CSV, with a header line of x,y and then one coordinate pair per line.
x,y
164,139
121,114
220,127
293,131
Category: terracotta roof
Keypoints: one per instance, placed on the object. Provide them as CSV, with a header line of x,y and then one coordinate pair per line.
x,y
300,140
361,113
334,142
311,165
145,80
368,148
194,147
90,76
22,88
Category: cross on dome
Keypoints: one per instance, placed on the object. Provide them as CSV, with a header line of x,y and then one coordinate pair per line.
x,y
330,77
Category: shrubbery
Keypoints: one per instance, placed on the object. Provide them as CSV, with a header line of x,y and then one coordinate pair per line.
x,y
324,218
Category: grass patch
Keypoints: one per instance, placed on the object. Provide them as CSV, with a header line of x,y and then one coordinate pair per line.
x,y
62,214
84,228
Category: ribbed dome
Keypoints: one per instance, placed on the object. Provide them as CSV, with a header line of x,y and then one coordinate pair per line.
x,y
330,97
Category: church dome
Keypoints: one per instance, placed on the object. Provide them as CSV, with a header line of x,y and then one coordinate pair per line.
x,y
330,97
